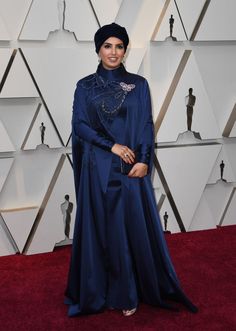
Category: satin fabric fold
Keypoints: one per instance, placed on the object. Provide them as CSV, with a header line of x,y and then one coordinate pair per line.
x,y
119,254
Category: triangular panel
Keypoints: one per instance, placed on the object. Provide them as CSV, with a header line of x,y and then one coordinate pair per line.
x,y
29,178
6,248
218,11
4,34
203,218
19,83
164,29
16,115
217,197
227,172
57,82
161,67
43,17
5,54
190,11
51,138
19,223
80,19
5,166
218,71
106,10
13,14
203,118
186,170
139,18
230,215
51,226
5,142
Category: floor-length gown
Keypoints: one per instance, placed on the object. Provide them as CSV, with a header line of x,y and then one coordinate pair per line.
x,y
119,255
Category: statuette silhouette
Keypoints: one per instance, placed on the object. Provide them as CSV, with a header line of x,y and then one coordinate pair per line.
x,y
66,209
171,24
222,166
165,217
42,130
190,100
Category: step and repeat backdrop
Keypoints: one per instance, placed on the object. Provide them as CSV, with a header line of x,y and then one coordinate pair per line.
x,y
185,48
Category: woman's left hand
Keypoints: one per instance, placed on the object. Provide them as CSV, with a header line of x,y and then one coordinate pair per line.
x,y
139,170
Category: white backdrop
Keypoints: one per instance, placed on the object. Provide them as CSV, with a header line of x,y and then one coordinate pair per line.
x,y
47,46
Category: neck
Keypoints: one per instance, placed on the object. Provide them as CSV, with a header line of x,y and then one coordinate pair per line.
x,y
111,73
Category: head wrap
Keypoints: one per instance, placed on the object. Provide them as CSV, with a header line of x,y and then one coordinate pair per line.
x,y
110,30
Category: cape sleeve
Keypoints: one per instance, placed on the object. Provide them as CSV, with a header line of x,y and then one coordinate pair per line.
x,y
146,146
80,122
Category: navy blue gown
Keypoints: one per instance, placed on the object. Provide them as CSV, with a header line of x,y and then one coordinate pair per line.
x,y
119,254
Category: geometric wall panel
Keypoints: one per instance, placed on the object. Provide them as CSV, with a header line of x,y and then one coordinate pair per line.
x,y
43,17
56,72
203,218
13,13
6,245
5,142
144,14
28,179
217,197
203,119
172,224
16,114
51,226
18,83
5,166
4,34
164,28
160,65
230,216
233,131
51,138
189,12
5,54
134,59
80,19
178,165
216,64
37,83
230,128
230,148
219,21
228,174
19,223
106,16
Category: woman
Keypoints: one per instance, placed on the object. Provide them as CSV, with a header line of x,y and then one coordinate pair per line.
x,y
119,254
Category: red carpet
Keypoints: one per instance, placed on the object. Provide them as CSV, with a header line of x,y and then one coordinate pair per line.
x,y
31,290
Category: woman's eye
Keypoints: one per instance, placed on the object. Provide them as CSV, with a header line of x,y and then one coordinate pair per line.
x,y
107,46
120,46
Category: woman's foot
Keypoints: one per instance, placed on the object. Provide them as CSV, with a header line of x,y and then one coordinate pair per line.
x,y
129,312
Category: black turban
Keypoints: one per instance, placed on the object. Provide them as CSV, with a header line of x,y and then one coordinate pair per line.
x,y
110,30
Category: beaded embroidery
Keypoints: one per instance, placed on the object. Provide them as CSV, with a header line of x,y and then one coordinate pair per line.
x,y
125,88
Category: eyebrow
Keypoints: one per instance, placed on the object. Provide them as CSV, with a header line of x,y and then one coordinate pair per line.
x,y
113,44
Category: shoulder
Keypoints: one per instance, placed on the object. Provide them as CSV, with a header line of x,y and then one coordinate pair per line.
x,y
87,82
137,79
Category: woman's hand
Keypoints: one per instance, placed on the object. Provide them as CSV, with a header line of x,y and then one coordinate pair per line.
x,y
139,170
124,152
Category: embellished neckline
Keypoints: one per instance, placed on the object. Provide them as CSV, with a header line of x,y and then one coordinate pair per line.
x,y
113,74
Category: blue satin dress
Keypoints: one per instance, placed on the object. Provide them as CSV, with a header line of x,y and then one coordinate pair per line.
x,y
119,254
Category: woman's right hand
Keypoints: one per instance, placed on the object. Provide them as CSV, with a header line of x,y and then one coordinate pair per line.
x,y
124,152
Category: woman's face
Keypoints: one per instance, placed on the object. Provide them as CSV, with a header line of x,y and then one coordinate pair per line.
x,y
111,53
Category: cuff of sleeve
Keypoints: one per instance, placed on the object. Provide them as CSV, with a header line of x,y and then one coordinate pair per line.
x,y
144,154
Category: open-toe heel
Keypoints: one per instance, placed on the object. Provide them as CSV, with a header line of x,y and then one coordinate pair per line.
x,y
129,312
